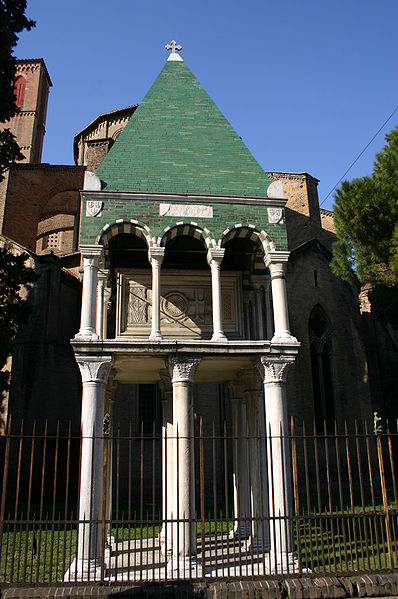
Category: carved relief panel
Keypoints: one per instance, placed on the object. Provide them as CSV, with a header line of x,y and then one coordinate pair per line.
x,y
185,304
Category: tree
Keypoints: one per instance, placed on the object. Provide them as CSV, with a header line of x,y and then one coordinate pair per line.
x,y
15,281
366,212
12,22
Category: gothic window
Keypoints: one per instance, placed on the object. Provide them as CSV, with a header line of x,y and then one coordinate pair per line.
x,y
322,382
19,91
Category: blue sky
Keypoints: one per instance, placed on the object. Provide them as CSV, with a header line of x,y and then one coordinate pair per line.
x,y
306,84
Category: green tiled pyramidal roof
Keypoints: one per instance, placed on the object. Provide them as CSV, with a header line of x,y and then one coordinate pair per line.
x,y
177,141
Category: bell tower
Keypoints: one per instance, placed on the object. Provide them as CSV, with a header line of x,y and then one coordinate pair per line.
x,y
31,88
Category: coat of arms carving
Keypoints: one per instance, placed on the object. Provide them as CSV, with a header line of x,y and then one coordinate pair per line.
x,y
275,215
94,207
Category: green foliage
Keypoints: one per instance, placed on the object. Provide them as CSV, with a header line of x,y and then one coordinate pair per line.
x,y
12,22
15,276
366,221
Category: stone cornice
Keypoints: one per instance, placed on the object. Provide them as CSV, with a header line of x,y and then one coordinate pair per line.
x,y
123,195
291,176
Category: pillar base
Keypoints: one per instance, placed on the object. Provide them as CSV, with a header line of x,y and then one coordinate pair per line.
x,y
240,532
219,337
84,570
166,551
286,563
157,336
180,567
283,337
257,545
86,335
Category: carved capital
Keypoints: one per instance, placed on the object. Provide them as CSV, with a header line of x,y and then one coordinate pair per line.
x,y
215,256
156,255
91,251
182,369
275,368
94,369
276,262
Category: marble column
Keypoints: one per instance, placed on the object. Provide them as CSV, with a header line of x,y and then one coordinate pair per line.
x,y
214,259
241,528
279,462
101,278
183,562
166,534
268,308
91,255
259,311
89,555
155,256
108,457
276,262
254,395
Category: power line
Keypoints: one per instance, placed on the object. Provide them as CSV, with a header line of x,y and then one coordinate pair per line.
x,y
359,155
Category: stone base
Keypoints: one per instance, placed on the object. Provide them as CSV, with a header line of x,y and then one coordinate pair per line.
x,y
219,337
84,570
86,336
184,567
257,545
283,564
283,337
155,337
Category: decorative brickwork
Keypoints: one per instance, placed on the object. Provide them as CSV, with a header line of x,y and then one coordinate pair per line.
x,y
127,214
178,141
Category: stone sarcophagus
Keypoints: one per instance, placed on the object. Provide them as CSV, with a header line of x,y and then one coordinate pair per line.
x,y
185,304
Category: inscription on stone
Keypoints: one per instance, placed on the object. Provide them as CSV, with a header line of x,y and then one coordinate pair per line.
x,y
197,210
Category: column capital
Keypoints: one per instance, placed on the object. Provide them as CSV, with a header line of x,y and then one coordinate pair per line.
x,y
102,276
156,253
275,368
276,257
94,369
91,251
182,369
215,256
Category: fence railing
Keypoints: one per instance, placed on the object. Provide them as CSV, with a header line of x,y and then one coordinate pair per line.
x,y
338,516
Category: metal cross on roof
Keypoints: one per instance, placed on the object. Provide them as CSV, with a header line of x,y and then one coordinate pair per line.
x,y
173,46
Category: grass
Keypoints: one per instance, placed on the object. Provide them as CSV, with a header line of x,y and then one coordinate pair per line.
x,y
336,544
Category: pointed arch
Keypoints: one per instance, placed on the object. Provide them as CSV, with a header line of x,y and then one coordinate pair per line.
x,y
320,337
19,90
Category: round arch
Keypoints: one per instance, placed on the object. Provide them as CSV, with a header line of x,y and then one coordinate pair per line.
x,y
246,232
131,227
189,230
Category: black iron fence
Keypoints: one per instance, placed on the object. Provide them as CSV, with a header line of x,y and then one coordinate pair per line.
x,y
336,512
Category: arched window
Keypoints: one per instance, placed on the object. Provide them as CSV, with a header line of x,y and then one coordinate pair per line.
x,y
322,383
19,91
